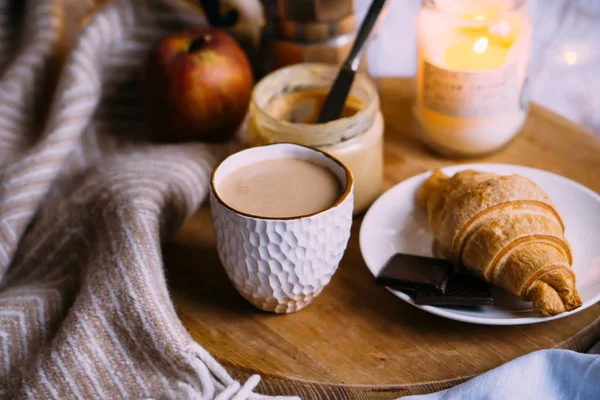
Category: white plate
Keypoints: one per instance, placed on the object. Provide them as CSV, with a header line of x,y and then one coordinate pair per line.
x,y
396,224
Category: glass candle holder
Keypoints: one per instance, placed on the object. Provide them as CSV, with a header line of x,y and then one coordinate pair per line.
x,y
473,57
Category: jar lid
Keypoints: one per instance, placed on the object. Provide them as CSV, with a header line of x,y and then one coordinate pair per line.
x,y
315,31
315,10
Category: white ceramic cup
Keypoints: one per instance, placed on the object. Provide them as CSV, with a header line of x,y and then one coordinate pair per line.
x,y
281,264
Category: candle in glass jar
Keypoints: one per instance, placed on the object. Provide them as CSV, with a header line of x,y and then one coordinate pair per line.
x,y
473,58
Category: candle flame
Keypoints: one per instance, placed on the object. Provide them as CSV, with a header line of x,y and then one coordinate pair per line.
x,y
480,45
570,57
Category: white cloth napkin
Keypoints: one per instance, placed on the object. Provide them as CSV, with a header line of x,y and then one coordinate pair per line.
x,y
545,374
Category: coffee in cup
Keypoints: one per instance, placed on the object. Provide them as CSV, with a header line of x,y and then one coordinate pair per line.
x,y
280,188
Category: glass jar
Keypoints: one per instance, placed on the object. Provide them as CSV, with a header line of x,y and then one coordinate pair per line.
x,y
356,138
472,74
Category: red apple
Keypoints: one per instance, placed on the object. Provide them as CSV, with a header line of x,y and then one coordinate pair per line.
x,y
196,86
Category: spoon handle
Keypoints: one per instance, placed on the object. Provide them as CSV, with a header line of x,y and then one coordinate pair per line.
x,y
334,104
353,59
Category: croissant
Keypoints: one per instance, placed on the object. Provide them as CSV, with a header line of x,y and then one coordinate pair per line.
x,y
505,230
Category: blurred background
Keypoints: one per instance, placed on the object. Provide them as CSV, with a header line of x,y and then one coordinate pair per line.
x,y
565,67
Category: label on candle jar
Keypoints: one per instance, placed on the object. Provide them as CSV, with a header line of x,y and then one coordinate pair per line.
x,y
470,94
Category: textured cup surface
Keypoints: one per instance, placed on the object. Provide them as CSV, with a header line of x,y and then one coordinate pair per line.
x,y
281,265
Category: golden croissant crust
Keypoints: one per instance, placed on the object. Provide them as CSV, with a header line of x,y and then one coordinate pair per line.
x,y
505,230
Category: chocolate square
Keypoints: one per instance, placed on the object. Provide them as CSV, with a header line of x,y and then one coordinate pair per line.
x,y
461,290
415,273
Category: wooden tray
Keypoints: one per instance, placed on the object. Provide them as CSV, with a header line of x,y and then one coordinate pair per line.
x,y
357,340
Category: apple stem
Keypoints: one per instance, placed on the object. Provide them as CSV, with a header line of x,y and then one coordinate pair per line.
x,y
199,42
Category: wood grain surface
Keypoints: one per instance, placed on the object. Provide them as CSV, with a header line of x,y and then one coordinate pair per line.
x,y
357,340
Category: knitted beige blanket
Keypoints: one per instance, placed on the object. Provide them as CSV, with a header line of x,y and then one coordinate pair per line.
x,y
84,203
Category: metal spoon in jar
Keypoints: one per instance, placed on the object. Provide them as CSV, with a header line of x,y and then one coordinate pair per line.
x,y
336,99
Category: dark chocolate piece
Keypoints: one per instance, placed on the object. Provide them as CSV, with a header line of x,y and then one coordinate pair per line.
x,y
461,290
415,273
